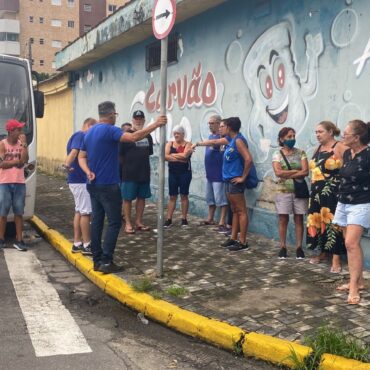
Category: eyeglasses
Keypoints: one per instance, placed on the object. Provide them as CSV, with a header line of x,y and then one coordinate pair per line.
x,y
345,134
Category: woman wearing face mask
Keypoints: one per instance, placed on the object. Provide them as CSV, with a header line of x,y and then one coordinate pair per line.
x,y
353,209
286,202
325,165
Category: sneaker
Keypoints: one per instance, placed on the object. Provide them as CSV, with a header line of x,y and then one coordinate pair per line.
x,y
108,268
86,251
300,254
222,229
76,248
168,223
282,253
238,247
184,222
20,246
229,242
228,232
2,244
96,266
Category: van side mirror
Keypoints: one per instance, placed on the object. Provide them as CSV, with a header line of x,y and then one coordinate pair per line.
x,y
38,97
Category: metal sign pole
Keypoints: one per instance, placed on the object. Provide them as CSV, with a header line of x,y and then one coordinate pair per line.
x,y
164,48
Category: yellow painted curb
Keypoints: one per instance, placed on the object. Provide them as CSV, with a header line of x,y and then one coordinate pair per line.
x,y
222,334
332,362
272,349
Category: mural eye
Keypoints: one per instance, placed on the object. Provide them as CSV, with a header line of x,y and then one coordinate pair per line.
x,y
265,84
279,73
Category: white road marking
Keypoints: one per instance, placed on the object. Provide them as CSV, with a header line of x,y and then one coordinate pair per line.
x,y
52,329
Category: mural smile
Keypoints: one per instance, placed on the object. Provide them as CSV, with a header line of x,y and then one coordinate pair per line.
x,y
280,114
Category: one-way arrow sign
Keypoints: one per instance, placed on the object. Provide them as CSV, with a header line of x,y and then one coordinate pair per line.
x,y
163,17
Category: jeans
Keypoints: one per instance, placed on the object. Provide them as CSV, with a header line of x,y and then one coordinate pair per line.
x,y
105,200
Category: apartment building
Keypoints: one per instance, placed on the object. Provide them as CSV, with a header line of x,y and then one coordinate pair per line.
x,y
9,27
37,29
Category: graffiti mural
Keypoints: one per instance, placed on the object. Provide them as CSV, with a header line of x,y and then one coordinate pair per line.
x,y
279,94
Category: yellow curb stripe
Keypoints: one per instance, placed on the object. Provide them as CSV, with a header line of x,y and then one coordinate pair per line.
x,y
272,349
222,334
332,362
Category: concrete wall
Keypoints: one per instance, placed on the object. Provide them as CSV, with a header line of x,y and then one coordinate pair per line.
x,y
54,130
274,63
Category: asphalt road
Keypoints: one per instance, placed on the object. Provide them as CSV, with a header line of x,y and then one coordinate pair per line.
x,y
52,317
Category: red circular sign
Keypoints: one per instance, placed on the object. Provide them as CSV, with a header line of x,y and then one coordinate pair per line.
x,y
163,17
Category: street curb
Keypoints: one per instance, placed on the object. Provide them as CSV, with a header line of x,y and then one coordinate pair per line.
x,y
221,334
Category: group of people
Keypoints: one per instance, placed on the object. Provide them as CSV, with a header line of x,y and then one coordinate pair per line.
x,y
338,204
109,167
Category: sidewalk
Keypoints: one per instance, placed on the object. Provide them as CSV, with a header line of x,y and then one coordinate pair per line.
x,y
250,289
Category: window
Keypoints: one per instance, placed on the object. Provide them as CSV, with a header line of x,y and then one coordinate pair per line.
x,y
153,53
53,65
31,40
71,24
56,2
41,19
8,36
71,3
112,8
87,7
41,41
56,23
56,44
41,62
87,28
32,61
30,18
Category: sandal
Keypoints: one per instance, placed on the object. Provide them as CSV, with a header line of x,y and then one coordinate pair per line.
x,y
336,270
345,288
316,260
129,231
143,228
353,299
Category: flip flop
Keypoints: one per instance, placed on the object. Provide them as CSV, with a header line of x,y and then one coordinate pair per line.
x,y
316,260
353,299
143,228
345,288
129,231
335,270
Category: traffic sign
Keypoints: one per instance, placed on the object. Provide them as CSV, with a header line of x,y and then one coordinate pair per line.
x,y
163,17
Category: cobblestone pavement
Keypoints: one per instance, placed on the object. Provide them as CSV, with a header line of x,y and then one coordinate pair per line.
x,y
251,289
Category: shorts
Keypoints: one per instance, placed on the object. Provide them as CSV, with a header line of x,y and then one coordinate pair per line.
x,y
352,214
12,196
82,198
234,188
287,204
216,194
179,181
131,190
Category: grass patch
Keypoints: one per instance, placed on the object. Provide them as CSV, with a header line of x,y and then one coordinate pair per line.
x,y
156,294
142,285
330,340
176,291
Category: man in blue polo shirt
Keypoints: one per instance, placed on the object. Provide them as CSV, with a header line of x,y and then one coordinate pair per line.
x,y
99,160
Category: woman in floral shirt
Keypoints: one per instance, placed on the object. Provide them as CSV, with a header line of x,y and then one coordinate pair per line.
x,y
324,166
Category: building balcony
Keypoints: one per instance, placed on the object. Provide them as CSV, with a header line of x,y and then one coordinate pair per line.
x,y
10,48
9,25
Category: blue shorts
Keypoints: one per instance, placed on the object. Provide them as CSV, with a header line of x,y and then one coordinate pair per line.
x,y
216,194
179,181
352,214
234,188
131,190
12,196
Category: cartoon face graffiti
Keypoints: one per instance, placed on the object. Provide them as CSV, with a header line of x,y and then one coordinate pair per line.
x,y
279,98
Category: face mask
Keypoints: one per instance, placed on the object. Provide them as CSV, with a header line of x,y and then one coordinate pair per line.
x,y
289,143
